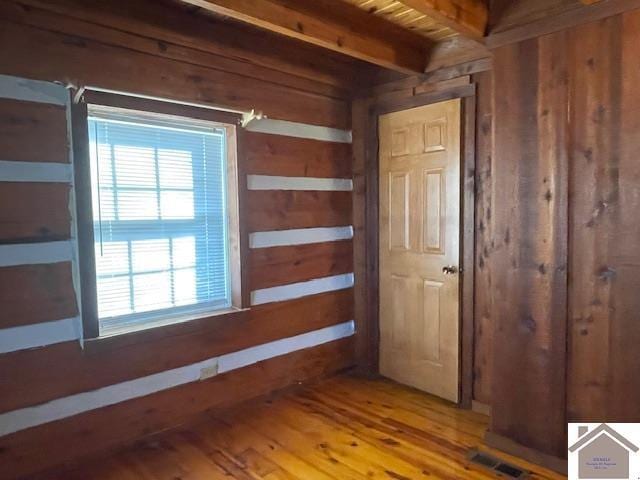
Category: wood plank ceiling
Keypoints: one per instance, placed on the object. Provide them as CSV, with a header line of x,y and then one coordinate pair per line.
x,y
406,17
398,35
407,36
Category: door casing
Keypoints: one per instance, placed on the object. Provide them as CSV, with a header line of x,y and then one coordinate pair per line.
x,y
371,342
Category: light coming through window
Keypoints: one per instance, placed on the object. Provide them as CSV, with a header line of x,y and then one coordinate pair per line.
x,y
160,224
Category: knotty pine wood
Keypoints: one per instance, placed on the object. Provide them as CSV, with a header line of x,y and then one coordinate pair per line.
x,y
285,209
342,428
34,212
38,448
36,293
406,17
604,329
529,262
275,266
296,157
583,155
483,327
467,17
24,382
22,122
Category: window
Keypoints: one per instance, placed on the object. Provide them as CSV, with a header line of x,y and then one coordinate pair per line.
x,y
163,196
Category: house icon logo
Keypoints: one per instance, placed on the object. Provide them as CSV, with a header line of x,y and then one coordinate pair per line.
x,y
602,452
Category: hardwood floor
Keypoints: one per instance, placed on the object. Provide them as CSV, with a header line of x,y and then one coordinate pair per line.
x,y
342,428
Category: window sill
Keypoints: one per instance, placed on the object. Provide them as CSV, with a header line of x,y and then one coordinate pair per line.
x,y
186,325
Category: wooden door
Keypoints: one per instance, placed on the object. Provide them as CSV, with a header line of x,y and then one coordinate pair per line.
x,y
420,247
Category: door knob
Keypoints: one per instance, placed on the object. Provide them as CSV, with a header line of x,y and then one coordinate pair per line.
x,y
449,270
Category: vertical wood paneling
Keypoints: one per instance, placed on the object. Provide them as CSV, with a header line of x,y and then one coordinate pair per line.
x,y
482,304
626,244
566,264
604,364
591,220
530,233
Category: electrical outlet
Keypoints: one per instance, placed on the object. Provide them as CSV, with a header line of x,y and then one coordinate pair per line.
x,y
210,371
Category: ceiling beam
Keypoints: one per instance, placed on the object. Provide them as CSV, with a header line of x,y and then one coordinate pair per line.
x,y
331,24
467,17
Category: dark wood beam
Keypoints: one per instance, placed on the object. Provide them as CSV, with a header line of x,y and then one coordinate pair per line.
x,y
331,24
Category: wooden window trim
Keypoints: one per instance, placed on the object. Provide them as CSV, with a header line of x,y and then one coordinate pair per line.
x,y
238,240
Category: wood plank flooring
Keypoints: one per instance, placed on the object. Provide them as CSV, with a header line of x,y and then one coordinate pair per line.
x,y
341,428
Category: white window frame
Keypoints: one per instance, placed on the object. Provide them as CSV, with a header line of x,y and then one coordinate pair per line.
x,y
174,315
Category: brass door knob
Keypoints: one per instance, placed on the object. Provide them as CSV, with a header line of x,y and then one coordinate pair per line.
x,y
449,270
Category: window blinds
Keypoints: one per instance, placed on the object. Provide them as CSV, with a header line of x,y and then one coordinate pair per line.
x,y
160,224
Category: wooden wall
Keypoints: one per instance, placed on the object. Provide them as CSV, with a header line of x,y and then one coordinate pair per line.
x,y
62,41
172,55
565,262
604,254
556,251
528,265
482,312
475,79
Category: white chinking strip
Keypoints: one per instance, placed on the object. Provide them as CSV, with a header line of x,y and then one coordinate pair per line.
x,y
38,335
35,172
24,418
301,289
32,90
300,130
268,182
252,355
36,253
299,236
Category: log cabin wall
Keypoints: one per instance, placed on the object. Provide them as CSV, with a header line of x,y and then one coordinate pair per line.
x,y
565,256
61,401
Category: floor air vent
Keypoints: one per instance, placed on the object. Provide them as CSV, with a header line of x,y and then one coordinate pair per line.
x,y
496,465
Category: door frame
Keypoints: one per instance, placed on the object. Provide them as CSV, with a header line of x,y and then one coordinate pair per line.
x,y
370,336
